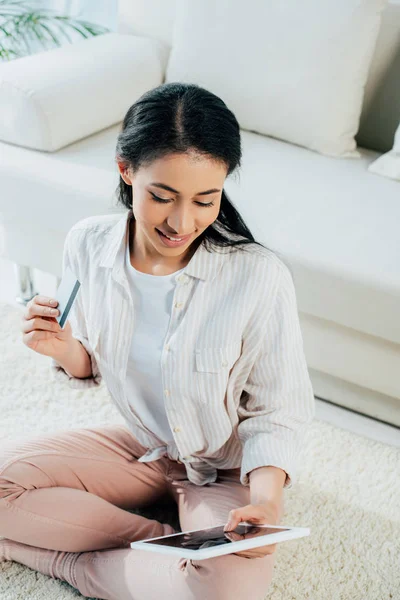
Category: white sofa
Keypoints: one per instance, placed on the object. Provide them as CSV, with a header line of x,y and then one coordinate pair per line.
x,y
335,223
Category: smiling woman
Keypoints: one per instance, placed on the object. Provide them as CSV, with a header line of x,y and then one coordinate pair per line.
x,y
202,354
176,220
177,145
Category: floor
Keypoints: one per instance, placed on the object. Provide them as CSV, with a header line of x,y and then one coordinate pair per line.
x,y
46,284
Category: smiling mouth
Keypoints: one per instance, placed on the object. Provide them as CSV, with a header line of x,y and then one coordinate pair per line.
x,y
174,237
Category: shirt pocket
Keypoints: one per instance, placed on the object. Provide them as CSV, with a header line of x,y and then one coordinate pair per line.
x,y
213,366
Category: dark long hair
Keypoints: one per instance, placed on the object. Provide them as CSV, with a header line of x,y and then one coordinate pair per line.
x,y
181,117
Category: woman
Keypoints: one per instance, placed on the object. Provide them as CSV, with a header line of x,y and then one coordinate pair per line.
x,y
199,343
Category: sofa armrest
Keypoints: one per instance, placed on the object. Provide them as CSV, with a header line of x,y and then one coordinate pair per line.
x,y
51,99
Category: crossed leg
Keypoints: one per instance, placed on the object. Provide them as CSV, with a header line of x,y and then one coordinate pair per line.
x,y
63,501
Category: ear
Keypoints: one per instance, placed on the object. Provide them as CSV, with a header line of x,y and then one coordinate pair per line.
x,y
124,172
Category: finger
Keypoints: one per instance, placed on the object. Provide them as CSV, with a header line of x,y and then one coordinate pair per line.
x,y
234,519
45,300
232,524
252,554
38,310
245,513
42,306
40,324
243,554
35,336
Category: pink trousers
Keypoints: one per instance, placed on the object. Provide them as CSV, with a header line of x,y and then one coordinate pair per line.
x,y
64,502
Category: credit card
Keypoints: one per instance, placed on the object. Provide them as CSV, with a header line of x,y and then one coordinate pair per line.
x,y
66,295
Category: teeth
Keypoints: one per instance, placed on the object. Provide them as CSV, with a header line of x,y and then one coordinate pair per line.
x,y
173,239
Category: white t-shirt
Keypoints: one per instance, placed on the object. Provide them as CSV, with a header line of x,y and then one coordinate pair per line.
x,y
152,296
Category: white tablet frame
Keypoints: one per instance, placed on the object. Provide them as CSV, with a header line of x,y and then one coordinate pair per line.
x,y
203,553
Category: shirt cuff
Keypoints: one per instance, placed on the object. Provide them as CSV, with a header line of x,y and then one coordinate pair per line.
x,y
264,450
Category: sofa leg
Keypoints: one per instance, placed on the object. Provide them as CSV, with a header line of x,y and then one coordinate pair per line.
x,y
25,283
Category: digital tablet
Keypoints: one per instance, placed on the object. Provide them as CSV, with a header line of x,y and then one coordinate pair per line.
x,y
214,541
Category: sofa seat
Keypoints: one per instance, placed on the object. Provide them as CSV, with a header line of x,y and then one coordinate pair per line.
x,y
327,217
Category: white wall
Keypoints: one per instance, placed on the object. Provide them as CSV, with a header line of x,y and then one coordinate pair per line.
x,y
102,12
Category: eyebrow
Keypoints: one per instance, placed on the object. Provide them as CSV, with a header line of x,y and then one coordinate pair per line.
x,y
170,189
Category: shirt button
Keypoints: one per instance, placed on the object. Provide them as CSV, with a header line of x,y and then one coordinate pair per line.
x,y
178,304
166,392
177,429
224,363
182,278
167,347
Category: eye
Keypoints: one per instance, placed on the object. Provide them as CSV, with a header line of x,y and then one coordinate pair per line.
x,y
165,201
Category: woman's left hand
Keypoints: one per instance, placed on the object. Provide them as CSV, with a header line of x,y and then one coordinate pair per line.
x,y
258,514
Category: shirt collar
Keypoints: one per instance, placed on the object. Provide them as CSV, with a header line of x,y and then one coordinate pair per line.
x,y
203,264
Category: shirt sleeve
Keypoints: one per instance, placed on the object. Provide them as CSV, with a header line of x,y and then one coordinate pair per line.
x,y
278,403
77,320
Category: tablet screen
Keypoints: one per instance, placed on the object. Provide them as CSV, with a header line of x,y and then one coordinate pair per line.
x,y
215,536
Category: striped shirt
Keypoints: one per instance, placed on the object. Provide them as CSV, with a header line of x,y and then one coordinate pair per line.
x,y
236,387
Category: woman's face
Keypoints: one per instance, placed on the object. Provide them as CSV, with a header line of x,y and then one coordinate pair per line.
x,y
191,186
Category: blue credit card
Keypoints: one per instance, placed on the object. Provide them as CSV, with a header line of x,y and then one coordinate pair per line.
x,y
66,295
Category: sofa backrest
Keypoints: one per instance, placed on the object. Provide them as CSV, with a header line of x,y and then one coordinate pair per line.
x,y
381,108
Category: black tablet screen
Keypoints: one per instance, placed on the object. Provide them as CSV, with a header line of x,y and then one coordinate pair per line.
x,y
215,536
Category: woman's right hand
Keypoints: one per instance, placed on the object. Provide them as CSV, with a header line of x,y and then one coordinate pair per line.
x,y
42,333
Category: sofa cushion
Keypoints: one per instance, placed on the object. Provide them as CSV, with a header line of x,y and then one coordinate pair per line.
x,y
292,70
51,99
334,223
381,104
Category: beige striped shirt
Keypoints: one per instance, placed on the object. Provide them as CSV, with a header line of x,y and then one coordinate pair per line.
x,y
237,391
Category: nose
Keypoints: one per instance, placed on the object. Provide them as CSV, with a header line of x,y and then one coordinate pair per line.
x,y
180,222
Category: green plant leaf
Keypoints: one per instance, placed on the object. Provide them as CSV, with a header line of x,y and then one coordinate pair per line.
x,y
20,24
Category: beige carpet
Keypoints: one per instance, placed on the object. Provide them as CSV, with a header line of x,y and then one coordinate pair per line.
x,y
348,491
